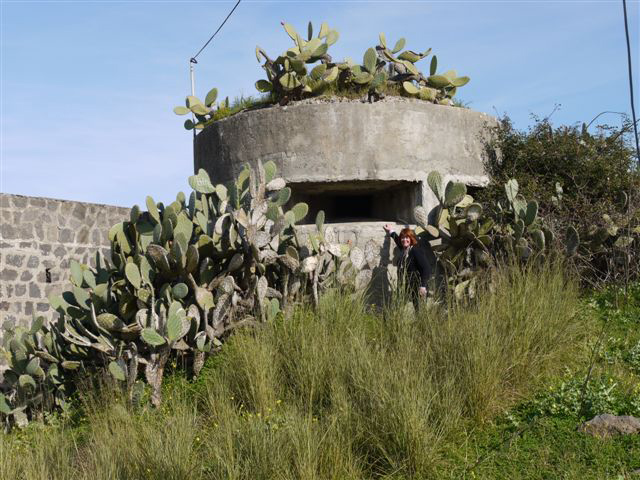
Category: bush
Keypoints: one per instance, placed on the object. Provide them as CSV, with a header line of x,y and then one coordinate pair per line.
x,y
583,180
592,169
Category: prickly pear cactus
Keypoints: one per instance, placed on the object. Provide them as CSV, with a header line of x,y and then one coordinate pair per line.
x,y
202,112
182,277
33,382
329,264
470,239
307,70
303,70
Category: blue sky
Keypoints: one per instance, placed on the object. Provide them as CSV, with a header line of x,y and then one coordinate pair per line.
x,y
88,87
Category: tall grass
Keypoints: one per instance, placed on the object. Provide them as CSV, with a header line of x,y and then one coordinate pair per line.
x,y
340,392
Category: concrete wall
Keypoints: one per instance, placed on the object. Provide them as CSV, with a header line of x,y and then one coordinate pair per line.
x,y
315,141
38,238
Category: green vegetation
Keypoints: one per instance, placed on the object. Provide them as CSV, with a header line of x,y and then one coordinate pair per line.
x,y
538,437
472,241
583,180
345,393
184,276
307,70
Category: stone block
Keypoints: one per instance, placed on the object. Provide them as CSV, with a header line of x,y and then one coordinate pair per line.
x,y
37,202
15,260
60,251
34,290
31,215
25,231
26,276
51,288
51,233
48,263
28,308
97,237
33,261
80,211
8,274
57,275
39,229
65,235
74,224
45,248
19,201
61,220
21,289
8,231
82,235
42,307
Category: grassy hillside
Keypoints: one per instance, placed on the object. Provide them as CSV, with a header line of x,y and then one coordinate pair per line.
x,y
486,390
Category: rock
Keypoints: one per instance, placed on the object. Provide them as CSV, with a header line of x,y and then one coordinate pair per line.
x,y
607,425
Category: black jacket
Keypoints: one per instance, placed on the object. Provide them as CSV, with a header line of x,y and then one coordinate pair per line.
x,y
415,265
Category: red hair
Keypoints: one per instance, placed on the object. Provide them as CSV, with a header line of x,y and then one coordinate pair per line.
x,y
407,232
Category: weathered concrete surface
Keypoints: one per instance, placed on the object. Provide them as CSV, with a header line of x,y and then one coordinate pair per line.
x,y
395,139
38,239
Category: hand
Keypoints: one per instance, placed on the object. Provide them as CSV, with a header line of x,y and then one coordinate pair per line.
x,y
422,291
387,228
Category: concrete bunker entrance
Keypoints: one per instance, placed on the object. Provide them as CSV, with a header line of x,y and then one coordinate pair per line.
x,y
358,200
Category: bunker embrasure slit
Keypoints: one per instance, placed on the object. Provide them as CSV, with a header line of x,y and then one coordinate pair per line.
x,y
358,201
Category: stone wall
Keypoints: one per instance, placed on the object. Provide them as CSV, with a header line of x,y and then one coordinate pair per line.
x,y
38,238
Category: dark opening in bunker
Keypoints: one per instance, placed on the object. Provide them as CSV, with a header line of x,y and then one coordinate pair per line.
x,y
358,201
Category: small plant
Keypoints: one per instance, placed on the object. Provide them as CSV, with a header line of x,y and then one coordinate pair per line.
x,y
204,112
33,383
570,398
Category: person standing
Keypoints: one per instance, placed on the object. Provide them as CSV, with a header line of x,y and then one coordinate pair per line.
x,y
413,269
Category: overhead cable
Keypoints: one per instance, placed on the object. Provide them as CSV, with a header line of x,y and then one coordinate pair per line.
x,y
633,110
193,59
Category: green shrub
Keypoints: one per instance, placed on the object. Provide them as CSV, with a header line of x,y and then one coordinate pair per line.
x,y
583,181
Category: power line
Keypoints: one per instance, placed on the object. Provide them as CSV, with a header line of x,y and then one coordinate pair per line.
x,y
633,110
635,132
193,59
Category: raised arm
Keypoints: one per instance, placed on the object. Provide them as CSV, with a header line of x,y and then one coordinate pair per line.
x,y
392,234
